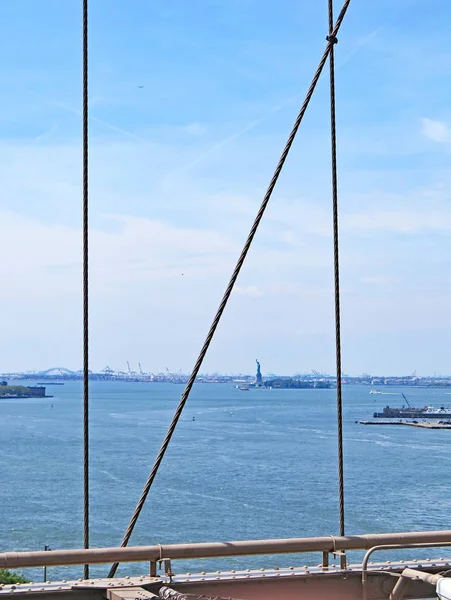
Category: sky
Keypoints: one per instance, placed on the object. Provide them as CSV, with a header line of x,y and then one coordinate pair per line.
x,y
178,169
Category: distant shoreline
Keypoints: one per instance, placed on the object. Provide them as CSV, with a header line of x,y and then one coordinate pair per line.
x,y
317,380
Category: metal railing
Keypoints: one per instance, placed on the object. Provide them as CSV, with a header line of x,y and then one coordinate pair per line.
x,y
400,546
329,544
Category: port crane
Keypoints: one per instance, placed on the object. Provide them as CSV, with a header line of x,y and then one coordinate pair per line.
x,y
317,374
130,372
407,402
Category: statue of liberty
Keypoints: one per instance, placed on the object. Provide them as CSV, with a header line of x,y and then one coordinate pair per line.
x,y
258,379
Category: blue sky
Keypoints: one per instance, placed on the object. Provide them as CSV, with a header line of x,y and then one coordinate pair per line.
x,y
179,167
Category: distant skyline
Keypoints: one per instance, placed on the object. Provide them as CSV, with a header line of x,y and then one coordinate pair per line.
x,y
135,371
191,104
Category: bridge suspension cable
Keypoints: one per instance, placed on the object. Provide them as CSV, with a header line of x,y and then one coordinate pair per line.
x,y
333,144
85,286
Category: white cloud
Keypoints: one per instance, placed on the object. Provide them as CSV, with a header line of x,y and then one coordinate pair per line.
x,y
137,248
159,269
381,280
248,290
406,221
437,131
154,288
195,129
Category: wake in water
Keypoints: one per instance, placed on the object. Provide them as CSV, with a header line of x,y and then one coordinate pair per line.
x,y
220,498
444,449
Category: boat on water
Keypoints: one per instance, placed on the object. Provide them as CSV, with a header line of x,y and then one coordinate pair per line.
x,y
410,412
427,412
243,388
375,392
439,412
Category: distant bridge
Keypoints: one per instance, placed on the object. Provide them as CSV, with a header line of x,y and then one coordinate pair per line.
x,y
57,371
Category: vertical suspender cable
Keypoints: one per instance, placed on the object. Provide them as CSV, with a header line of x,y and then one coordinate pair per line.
x,y
229,288
85,286
333,40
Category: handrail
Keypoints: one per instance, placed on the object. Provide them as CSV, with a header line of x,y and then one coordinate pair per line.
x,y
419,545
14,560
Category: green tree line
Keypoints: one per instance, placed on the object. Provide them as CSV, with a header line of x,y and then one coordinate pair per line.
x,y
8,578
14,390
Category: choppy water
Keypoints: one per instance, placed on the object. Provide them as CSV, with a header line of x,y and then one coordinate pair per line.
x,y
255,464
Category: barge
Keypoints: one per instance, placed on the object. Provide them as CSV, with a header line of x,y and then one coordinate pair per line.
x,y
428,412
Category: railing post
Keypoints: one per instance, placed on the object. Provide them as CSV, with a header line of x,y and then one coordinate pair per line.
x,y
153,568
46,548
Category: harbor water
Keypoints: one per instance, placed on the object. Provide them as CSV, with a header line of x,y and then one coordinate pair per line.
x,y
241,465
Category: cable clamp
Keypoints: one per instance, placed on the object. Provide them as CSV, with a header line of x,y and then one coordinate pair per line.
x,y
332,39
336,552
165,563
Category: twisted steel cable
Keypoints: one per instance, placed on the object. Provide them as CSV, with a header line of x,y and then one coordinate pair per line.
x,y
85,286
333,138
